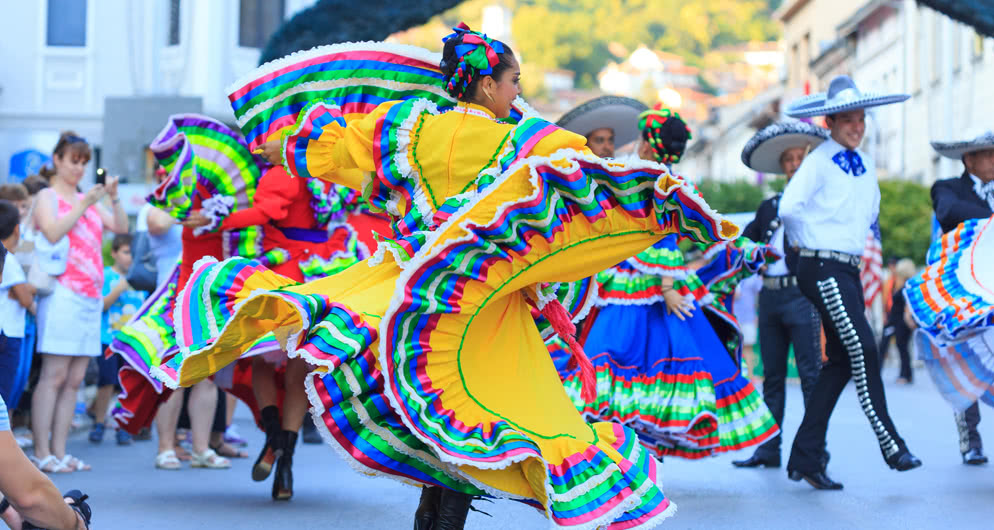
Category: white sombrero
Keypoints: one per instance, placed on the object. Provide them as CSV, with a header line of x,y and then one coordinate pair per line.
x,y
842,95
612,112
762,151
981,141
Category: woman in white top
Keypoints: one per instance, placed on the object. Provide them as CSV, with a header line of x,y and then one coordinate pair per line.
x,y
69,318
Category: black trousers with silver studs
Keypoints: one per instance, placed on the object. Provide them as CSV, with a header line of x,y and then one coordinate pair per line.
x,y
835,290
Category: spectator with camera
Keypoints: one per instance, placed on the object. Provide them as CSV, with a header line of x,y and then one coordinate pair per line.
x,y
68,248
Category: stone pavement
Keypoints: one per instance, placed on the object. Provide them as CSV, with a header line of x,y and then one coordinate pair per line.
x,y
128,492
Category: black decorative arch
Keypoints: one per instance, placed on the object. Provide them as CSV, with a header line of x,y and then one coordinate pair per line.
x,y
332,21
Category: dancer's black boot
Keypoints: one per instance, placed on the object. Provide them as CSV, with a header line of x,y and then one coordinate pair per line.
x,y
283,481
427,512
267,457
310,432
452,510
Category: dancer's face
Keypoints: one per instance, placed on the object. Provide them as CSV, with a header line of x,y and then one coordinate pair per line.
x,y
791,159
497,94
980,164
848,127
601,142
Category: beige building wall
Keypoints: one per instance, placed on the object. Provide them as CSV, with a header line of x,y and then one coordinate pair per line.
x,y
810,27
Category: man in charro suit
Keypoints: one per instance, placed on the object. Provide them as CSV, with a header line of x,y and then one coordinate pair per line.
x,y
786,317
957,199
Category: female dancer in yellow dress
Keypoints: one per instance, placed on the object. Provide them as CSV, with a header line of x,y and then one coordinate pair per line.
x,y
430,367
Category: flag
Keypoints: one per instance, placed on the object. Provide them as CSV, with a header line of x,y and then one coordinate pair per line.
x,y
871,269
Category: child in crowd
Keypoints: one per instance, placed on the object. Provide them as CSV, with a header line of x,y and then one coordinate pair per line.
x,y
120,303
18,195
16,299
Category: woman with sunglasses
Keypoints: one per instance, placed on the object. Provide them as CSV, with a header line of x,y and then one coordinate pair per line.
x,y
72,222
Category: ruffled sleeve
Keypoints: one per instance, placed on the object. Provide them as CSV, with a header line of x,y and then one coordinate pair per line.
x,y
271,202
323,146
663,258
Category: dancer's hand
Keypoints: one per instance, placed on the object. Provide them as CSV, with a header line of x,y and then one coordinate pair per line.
x,y
196,219
677,305
272,151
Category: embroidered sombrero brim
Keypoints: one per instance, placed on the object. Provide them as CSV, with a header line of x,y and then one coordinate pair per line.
x,y
614,112
819,105
956,150
762,151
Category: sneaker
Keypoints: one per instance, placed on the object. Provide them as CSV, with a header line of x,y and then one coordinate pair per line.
x,y
97,433
123,438
232,437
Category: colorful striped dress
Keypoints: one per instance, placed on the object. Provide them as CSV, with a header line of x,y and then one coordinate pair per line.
x,y
671,380
952,301
256,211
431,369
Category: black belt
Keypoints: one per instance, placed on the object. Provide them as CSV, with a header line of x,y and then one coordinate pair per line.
x,y
779,282
834,255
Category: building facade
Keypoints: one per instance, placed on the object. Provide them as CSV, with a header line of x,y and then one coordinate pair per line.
x,y
63,58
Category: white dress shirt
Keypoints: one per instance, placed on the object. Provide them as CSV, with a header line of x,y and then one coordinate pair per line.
x,y
826,208
779,267
983,190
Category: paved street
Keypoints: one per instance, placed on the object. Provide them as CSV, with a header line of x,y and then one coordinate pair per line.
x,y
129,493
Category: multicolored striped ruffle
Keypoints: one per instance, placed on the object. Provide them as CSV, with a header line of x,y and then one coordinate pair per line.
x,y
664,259
677,402
743,420
963,370
623,284
354,76
954,295
149,336
204,157
952,301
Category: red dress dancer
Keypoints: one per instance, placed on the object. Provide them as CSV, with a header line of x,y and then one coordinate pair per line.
x,y
301,242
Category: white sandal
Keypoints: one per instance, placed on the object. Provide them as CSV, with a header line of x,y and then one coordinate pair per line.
x,y
56,465
167,460
72,463
210,460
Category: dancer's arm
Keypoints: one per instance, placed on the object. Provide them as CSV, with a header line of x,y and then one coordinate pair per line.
x,y
801,187
329,152
951,210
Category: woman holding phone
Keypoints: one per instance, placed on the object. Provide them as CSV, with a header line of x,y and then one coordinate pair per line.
x,y
69,317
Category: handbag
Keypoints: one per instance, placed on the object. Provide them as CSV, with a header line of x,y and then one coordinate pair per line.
x,y
143,273
48,262
48,259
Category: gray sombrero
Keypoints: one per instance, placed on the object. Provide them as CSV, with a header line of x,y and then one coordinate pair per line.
x,y
842,95
614,112
981,141
762,151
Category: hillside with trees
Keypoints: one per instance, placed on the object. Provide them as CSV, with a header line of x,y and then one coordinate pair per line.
x,y
583,35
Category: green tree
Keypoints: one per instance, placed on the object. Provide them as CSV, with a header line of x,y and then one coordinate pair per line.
x,y
731,197
905,219
558,33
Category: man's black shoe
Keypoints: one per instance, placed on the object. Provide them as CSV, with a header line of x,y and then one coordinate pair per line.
x,y
974,457
758,461
818,479
904,461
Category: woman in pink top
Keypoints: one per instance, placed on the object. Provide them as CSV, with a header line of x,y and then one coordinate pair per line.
x,y
69,317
